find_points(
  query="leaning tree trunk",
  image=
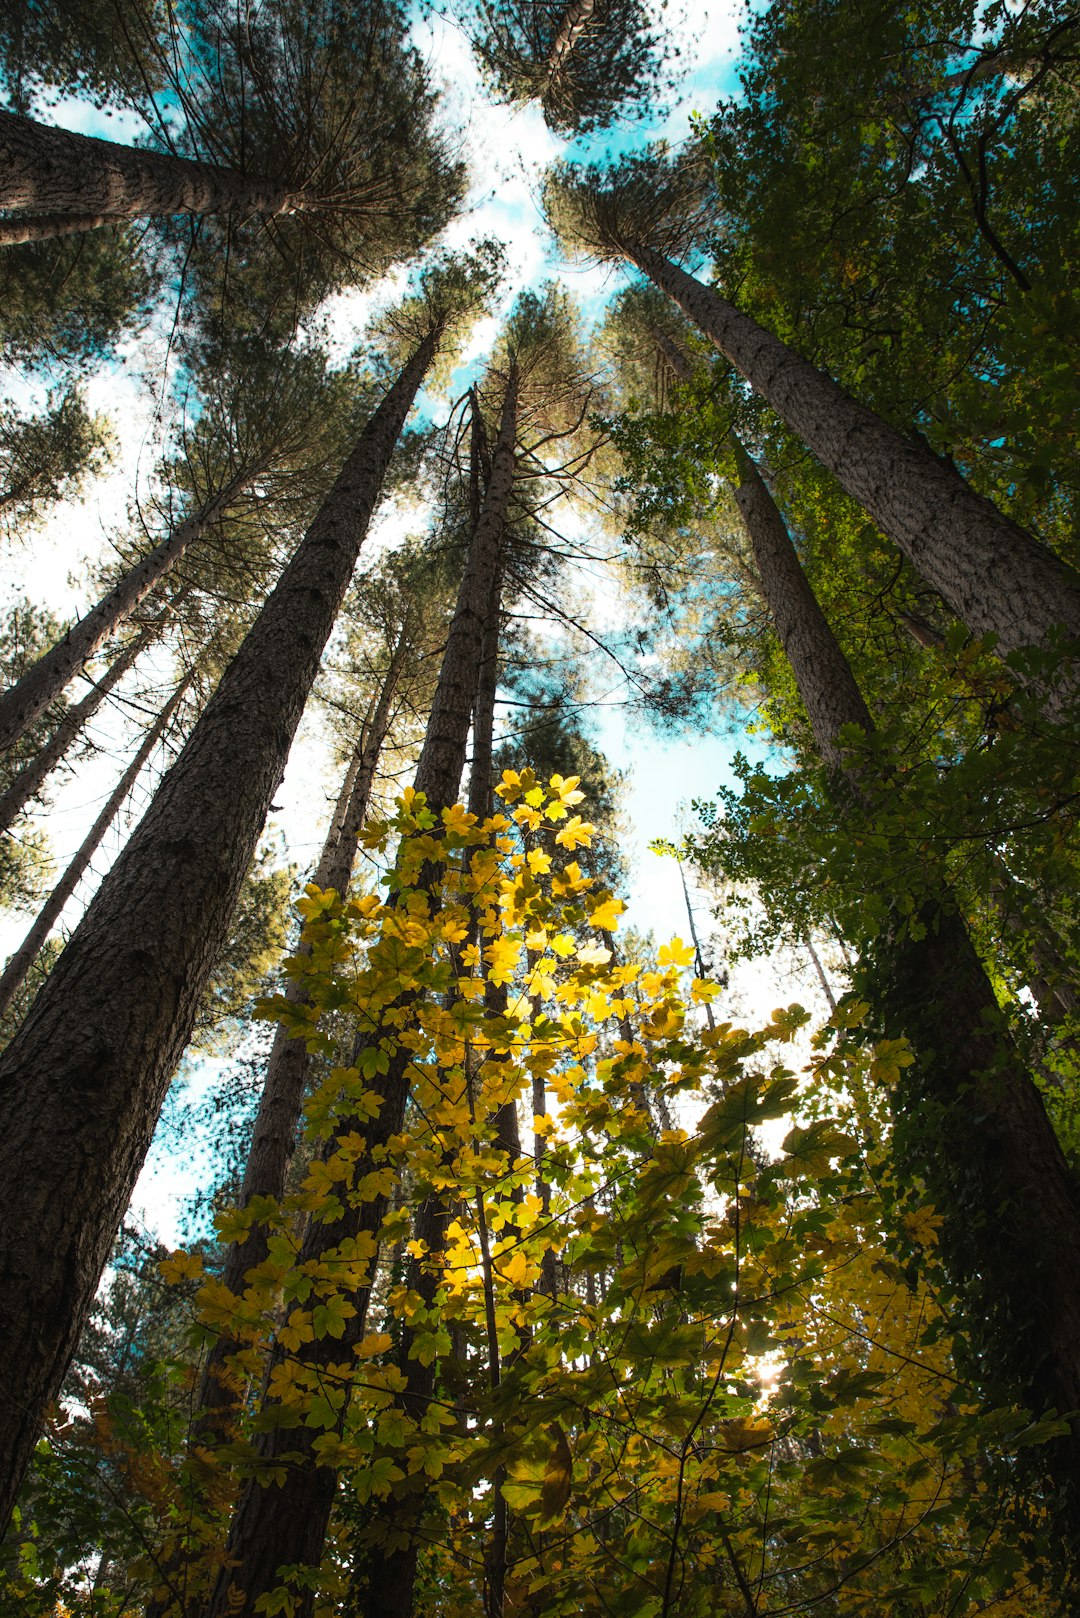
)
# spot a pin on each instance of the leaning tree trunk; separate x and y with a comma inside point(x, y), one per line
point(54, 181)
point(33, 774)
point(288, 1067)
point(15, 973)
point(83, 1081)
point(26, 700)
point(285, 1526)
point(969, 1118)
point(996, 578)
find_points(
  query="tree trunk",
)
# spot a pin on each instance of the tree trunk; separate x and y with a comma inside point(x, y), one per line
point(50, 174)
point(26, 700)
point(288, 1067)
point(391, 1571)
point(572, 24)
point(995, 577)
point(822, 672)
point(14, 974)
point(83, 1081)
point(274, 1527)
point(969, 1118)
point(33, 774)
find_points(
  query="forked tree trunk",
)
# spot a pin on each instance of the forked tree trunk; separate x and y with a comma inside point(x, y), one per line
point(17, 968)
point(995, 577)
point(26, 700)
point(969, 1117)
point(33, 774)
point(83, 1081)
point(288, 1067)
point(275, 1527)
point(53, 181)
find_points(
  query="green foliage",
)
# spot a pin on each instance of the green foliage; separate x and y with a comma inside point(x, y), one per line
point(914, 231)
point(331, 101)
point(70, 300)
point(586, 63)
point(45, 457)
point(99, 50)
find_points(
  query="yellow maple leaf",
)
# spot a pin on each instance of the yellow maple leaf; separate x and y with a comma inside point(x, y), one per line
point(675, 954)
point(575, 833)
point(605, 915)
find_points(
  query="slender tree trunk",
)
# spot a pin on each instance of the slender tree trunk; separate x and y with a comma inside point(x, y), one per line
point(822, 672)
point(391, 1571)
point(50, 174)
point(572, 24)
point(969, 1118)
point(275, 1527)
point(996, 578)
point(83, 1081)
point(288, 1067)
point(33, 775)
point(14, 974)
point(481, 804)
point(26, 700)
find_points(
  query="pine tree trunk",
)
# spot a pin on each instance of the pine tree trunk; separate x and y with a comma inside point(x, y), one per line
point(83, 1081)
point(50, 174)
point(572, 24)
point(288, 1067)
point(391, 1570)
point(822, 672)
point(274, 1527)
point(995, 577)
point(33, 775)
point(14, 974)
point(26, 700)
point(970, 1120)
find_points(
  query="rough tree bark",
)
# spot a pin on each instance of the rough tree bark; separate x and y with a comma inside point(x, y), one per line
point(274, 1527)
point(54, 181)
point(288, 1067)
point(26, 700)
point(572, 24)
point(996, 578)
point(83, 1081)
point(14, 974)
point(972, 1120)
point(392, 1571)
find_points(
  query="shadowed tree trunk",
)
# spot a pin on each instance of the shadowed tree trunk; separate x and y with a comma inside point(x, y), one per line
point(26, 700)
point(391, 1572)
point(969, 1118)
point(83, 1081)
point(275, 1527)
point(288, 1067)
point(14, 974)
point(55, 182)
point(995, 577)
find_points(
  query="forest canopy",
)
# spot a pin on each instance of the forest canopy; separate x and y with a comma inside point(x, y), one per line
point(439, 451)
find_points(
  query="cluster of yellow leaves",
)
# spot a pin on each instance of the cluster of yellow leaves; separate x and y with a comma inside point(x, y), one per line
point(689, 1328)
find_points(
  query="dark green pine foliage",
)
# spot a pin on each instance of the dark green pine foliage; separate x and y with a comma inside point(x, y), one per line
point(587, 62)
point(915, 229)
point(46, 456)
point(67, 302)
